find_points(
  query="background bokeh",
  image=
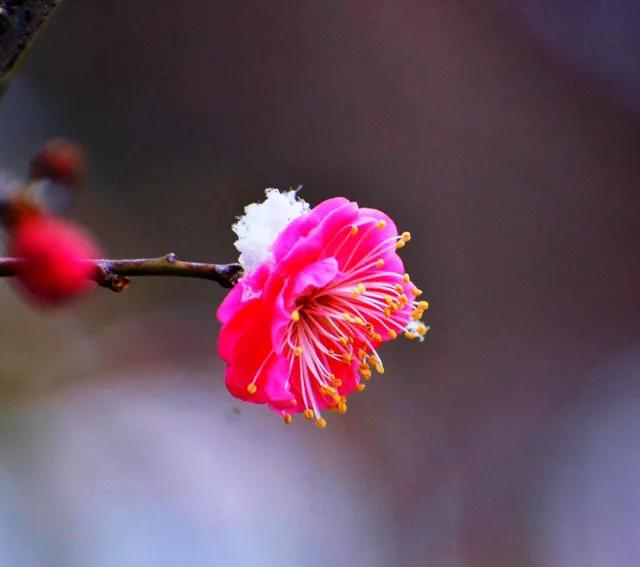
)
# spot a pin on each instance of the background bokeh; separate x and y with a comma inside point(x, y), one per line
point(503, 134)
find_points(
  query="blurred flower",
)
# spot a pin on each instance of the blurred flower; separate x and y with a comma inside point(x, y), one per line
point(322, 290)
point(54, 251)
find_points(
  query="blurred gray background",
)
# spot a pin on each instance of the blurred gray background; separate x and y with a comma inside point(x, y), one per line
point(503, 134)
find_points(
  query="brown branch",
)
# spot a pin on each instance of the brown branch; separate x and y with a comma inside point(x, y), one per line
point(115, 274)
point(20, 22)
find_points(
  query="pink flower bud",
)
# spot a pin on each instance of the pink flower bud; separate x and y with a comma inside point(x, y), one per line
point(55, 252)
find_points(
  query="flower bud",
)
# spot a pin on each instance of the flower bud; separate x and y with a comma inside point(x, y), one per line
point(60, 161)
point(55, 254)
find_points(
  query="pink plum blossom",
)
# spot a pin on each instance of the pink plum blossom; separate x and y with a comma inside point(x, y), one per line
point(322, 290)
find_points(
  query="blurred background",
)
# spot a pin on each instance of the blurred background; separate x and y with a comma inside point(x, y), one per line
point(503, 134)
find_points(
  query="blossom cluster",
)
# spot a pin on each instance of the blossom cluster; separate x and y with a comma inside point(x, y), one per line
point(317, 290)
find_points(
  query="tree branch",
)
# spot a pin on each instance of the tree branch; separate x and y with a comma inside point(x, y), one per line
point(20, 21)
point(114, 274)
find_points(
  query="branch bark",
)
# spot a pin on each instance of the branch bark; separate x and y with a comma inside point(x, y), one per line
point(115, 274)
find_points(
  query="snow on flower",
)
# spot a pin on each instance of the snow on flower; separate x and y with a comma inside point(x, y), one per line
point(322, 290)
point(261, 224)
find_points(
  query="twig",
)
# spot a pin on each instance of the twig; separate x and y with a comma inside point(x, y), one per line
point(114, 274)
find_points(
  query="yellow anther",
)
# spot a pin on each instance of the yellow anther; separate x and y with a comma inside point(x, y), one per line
point(392, 334)
point(361, 387)
point(403, 299)
point(417, 292)
point(381, 224)
point(388, 299)
point(343, 341)
point(400, 244)
point(358, 321)
point(379, 263)
point(387, 312)
point(424, 305)
point(354, 230)
point(399, 288)
point(252, 388)
point(337, 382)
point(366, 374)
point(321, 422)
point(346, 316)
point(295, 316)
point(421, 329)
point(347, 358)
point(308, 413)
point(379, 368)
point(417, 314)
point(364, 366)
point(358, 290)
point(331, 393)
point(406, 236)
point(377, 337)
point(287, 418)
point(342, 407)
point(409, 335)
point(297, 351)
